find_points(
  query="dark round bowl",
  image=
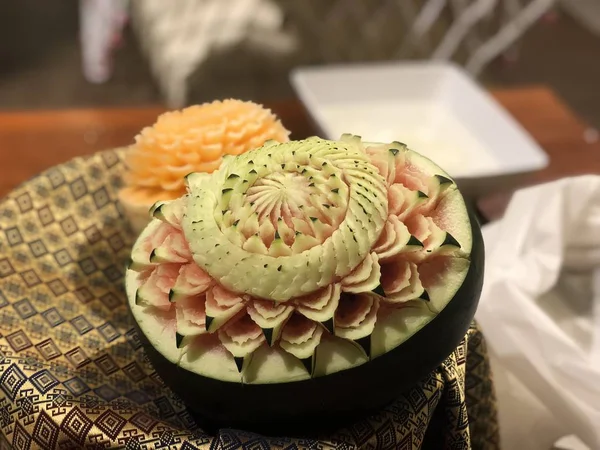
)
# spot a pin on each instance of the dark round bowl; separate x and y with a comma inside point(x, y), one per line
point(305, 408)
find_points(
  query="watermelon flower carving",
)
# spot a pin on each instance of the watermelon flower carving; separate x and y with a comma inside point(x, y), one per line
point(302, 247)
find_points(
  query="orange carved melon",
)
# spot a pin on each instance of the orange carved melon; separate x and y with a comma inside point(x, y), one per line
point(194, 139)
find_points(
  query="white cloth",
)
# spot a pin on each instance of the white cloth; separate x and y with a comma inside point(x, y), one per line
point(540, 313)
point(178, 36)
point(101, 23)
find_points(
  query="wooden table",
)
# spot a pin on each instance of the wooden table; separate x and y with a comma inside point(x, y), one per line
point(35, 140)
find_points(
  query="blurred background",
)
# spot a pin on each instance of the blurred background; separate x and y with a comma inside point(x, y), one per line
point(92, 53)
point(68, 54)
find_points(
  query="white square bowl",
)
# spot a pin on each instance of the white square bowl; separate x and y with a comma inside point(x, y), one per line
point(434, 108)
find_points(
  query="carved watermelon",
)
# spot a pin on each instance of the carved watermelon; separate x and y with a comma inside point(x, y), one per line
point(305, 279)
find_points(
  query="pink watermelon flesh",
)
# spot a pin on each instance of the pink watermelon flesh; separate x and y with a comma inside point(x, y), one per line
point(300, 338)
point(241, 338)
point(424, 243)
point(192, 280)
point(299, 329)
point(190, 313)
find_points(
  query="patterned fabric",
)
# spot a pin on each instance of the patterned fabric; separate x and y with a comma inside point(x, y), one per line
point(73, 373)
point(480, 396)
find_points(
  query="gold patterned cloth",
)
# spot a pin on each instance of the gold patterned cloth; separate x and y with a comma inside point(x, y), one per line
point(73, 373)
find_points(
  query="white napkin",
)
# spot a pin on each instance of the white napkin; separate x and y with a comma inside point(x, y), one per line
point(540, 313)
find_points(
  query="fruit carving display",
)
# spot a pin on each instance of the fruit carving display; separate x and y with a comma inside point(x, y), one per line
point(300, 259)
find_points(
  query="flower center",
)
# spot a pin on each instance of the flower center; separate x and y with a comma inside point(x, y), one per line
point(279, 193)
point(298, 207)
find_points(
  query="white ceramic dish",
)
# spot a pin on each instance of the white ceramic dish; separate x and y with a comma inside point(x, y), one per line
point(435, 108)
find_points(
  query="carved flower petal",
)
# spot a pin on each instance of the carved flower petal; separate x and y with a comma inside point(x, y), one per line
point(409, 175)
point(221, 306)
point(192, 280)
point(159, 234)
point(298, 329)
point(301, 336)
point(156, 233)
point(321, 305)
point(241, 337)
point(191, 315)
point(318, 299)
point(162, 240)
point(143, 276)
point(398, 196)
point(400, 281)
point(192, 309)
point(396, 276)
point(426, 231)
point(382, 158)
point(268, 314)
point(155, 291)
point(178, 243)
point(171, 212)
point(356, 316)
point(394, 240)
point(404, 202)
point(269, 309)
point(438, 188)
point(365, 277)
point(223, 297)
point(174, 249)
point(352, 310)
